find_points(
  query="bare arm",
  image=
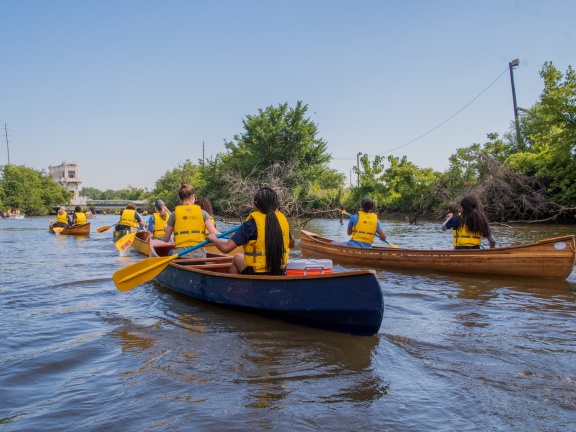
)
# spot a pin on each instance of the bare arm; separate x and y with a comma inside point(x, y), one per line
point(167, 233)
point(492, 241)
point(382, 235)
point(210, 227)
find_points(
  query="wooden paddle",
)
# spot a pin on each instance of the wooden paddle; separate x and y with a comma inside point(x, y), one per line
point(392, 245)
point(129, 277)
point(105, 228)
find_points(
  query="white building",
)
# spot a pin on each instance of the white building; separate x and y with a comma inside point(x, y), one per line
point(66, 175)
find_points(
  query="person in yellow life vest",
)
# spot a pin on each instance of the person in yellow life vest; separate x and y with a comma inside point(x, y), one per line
point(265, 237)
point(78, 218)
point(189, 223)
point(204, 204)
point(469, 226)
point(363, 226)
point(158, 220)
point(62, 219)
point(129, 219)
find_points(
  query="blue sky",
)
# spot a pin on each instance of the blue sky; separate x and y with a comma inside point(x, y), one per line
point(130, 89)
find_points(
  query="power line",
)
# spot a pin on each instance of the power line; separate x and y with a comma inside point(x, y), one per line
point(436, 127)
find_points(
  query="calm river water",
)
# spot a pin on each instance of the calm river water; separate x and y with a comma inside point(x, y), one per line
point(454, 353)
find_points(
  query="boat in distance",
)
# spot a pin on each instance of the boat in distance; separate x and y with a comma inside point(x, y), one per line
point(79, 230)
point(551, 258)
point(347, 302)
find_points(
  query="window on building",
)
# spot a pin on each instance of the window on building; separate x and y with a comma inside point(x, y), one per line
point(71, 174)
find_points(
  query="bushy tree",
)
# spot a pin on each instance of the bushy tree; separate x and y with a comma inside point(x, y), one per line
point(166, 187)
point(33, 192)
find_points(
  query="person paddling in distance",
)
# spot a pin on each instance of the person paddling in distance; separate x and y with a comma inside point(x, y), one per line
point(363, 226)
point(265, 237)
point(204, 204)
point(129, 219)
point(189, 223)
point(470, 225)
point(78, 218)
point(158, 220)
point(62, 219)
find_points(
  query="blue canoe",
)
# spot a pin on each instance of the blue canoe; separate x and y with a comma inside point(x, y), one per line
point(347, 302)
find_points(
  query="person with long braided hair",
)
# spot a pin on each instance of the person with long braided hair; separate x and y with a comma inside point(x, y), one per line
point(265, 237)
point(470, 225)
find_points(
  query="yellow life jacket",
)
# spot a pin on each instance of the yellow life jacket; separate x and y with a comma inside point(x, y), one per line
point(159, 225)
point(80, 218)
point(128, 219)
point(189, 226)
point(62, 218)
point(255, 250)
point(463, 237)
point(366, 227)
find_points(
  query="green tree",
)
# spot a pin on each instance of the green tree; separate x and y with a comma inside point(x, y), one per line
point(278, 135)
point(33, 192)
point(166, 187)
point(549, 131)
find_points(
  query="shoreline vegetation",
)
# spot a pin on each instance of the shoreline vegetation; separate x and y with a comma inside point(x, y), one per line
point(526, 176)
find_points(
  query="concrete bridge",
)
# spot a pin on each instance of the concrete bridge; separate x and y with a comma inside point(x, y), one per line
point(107, 206)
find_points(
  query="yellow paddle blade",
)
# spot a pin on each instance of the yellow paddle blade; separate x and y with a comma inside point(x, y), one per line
point(57, 230)
point(125, 242)
point(392, 245)
point(104, 228)
point(129, 277)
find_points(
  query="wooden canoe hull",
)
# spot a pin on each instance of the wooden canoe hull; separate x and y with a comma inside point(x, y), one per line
point(349, 302)
point(117, 235)
point(142, 244)
point(78, 230)
point(550, 259)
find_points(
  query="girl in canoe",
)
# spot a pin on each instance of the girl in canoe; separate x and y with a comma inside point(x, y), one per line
point(189, 223)
point(470, 225)
point(129, 218)
point(363, 226)
point(265, 237)
point(78, 218)
point(158, 220)
point(62, 219)
point(204, 204)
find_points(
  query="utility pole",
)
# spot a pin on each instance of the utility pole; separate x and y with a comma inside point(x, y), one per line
point(512, 65)
point(358, 167)
point(7, 146)
point(203, 158)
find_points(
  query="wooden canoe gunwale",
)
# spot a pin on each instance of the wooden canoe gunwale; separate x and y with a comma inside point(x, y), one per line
point(83, 229)
point(545, 259)
point(349, 302)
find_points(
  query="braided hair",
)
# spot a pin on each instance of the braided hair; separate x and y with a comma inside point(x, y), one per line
point(473, 216)
point(268, 202)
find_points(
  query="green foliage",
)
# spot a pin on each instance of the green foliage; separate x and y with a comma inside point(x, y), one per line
point(166, 187)
point(371, 182)
point(550, 132)
point(33, 192)
point(277, 135)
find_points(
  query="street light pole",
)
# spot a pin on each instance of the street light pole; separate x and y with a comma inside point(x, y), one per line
point(512, 65)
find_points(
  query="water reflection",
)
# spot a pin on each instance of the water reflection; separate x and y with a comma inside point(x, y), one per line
point(277, 366)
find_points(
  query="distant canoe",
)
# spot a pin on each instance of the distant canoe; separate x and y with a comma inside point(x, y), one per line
point(349, 302)
point(551, 258)
point(117, 235)
point(78, 230)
